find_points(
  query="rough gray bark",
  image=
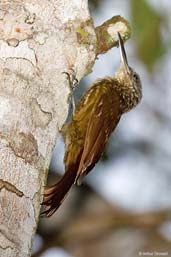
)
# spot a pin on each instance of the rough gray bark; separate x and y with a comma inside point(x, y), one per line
point(39, 39)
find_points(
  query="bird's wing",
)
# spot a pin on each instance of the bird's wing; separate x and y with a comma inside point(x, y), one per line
point(104, 118)
point(74, 132)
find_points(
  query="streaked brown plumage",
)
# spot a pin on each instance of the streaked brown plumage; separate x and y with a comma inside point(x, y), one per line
point(92, 123)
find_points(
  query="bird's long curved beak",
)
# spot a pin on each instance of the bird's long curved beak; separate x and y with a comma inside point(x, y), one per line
point(123, 53)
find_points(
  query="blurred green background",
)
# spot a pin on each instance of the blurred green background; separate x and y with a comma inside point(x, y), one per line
point(124, 207)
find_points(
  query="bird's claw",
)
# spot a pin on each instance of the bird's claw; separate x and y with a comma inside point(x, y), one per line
point(73, 81)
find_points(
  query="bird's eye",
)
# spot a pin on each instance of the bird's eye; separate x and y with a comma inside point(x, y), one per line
point(135, 77)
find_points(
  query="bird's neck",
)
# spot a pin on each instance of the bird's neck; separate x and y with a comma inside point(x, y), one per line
point(129, 94)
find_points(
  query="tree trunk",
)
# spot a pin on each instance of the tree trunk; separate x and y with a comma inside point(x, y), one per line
point(38, 42)
point(39, 39)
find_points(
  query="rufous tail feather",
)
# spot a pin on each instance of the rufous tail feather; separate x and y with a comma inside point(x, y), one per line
point(55, 194)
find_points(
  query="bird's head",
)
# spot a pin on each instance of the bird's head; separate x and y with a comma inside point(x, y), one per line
point(126, 75)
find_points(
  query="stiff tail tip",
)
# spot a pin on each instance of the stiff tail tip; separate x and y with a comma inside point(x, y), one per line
point(50, 203)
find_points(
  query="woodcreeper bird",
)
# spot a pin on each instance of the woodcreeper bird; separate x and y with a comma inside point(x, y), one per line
point(95, 117)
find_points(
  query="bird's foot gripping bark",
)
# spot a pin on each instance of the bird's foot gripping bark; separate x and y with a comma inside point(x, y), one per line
point(72, 82)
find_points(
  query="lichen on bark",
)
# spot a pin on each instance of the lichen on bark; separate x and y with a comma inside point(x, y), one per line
point(107, 33)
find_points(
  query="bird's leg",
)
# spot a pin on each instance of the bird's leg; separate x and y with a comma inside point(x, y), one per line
point(72, 82)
